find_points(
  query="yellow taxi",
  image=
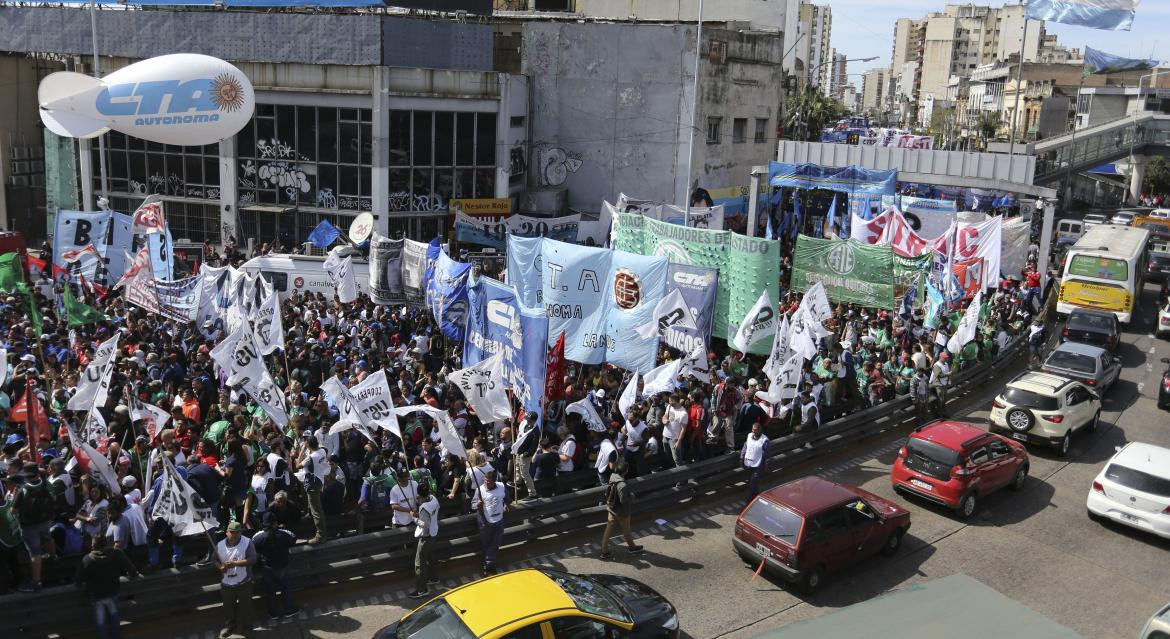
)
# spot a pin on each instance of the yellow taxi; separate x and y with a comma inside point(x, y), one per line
point(538, 603)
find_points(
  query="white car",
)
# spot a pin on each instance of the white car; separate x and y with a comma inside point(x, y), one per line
point(1134, 489)
point(1093, 219)
point(1042, 408)
point(1124, 218)
point(1162, 213)
point(1163, 326)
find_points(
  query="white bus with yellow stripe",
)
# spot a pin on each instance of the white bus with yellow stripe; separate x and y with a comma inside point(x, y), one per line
point(1105, 271)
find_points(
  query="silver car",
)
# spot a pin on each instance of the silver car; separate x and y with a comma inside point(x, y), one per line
point(1090, 365)
point(1124, 218)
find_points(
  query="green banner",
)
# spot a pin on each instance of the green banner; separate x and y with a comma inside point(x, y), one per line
point(747, 265)
point(851, 271)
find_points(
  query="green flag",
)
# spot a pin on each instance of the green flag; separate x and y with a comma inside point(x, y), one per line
point(78, 312)
point(34, 313)
point(11, 271)
point(850, 271)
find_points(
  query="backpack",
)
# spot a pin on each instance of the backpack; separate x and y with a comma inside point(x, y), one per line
point(528, 446)
point(36, 504)
point(613, 495)
point(1039, 337)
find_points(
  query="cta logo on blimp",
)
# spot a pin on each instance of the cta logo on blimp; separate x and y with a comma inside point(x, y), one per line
point(184, 99)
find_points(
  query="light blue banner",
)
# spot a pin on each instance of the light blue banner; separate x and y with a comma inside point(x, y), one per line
point(1113, 15)
point(931, 306)
point(524, 269)
point(633, 290)
point(447, 292)
point(162, 255)
point(497, 322)
point(574, 282)
point(75, 230)
point(121, 240)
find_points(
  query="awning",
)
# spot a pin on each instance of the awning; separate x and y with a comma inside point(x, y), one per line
point(1106, 169)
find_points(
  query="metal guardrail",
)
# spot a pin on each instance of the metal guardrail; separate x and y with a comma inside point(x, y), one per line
point(63, 610)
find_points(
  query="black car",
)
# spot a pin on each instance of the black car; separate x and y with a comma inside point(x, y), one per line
point(1158, 268)
point(1164, 387)
point(1092, 327)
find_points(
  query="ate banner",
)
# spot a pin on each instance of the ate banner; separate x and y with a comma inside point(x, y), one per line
point(386, 285)
point(850, 271)
point(746, 265)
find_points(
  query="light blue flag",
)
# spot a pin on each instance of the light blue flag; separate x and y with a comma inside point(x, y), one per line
point(497, 322)
point(75, 230)
point(447, 292)
point(524, 269)
point(1101, 62)
point(833, 213)
point(1114, 15)
point(574, 285)
point(121, 243)
point(797, 216)
point(162, 256)
point(768, 234)
point(931, 306)
point(635, 287)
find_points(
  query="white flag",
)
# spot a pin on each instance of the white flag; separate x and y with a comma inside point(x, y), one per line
point(3, 366)
point(448, 436)
point(696, 364)
point(141, 262)
point(662, 379)
point(92, 462)
point(817, 302)
point(155, 417)
point(779, 352)
point(758, 324)
point(95, 431)
point(340, 271)
point(374, 402)
point(603, 454)
point(801, 332)
point(588, 413)
point(95, 382)
point(483, 386)
point(180, 506)
point(348, 415)
point(267, 324)
point(240, 358)
point(968, 326)
point(671, 312)
point(629, 395)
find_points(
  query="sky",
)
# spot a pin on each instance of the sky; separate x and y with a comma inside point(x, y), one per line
point(865, 28)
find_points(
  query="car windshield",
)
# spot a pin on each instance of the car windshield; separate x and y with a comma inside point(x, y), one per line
point(774, 519)
point(1138, 480)
point(435, 620)
point(932, 451)
point(1090, 321)
point(589, 596)
point(1072, 361)
point(1028, 399)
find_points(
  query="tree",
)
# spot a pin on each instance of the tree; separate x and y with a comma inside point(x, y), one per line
point(809, 112)
point(988, 125)
point(1157, 176)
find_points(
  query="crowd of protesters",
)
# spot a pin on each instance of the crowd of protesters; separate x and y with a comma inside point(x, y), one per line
point(271, 484)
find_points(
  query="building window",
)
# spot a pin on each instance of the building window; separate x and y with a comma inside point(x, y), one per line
point(761, 130)
point(714, 130)
point(739, 130)
point(439, 155)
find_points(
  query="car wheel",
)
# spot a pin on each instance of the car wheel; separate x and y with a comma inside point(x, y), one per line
point(1093, 423)
point(1021, 478)
point(813, 580)
point(967, 506)
point(1065, 443)
point(893, 542)
point(1019, 420)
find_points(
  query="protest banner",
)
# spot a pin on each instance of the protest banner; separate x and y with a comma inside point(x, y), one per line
point(850, 271)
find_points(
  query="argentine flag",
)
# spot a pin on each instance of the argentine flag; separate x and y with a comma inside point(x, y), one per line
point(1097, 14)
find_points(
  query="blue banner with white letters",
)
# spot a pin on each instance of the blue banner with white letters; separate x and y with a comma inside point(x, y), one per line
point(698, 286)
point(496, 321)
point(636, 285)
point(573, 285)
point(524, 269)
point(447, 295)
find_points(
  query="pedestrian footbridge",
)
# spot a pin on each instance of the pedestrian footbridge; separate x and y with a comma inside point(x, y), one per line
point(1140, 135)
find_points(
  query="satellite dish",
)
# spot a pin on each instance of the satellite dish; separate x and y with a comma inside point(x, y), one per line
point(185, 99)
point(361, 228)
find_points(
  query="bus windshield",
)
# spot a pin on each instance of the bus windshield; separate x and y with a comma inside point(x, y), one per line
point(1099, 267)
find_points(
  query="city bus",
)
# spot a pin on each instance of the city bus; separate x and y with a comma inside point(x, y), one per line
point(1105, 270)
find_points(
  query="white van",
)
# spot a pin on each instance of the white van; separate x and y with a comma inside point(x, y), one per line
point(303, 273)
point(1069, 231)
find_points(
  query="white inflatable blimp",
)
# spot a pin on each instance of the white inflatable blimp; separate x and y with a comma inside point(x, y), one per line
point(184, 98)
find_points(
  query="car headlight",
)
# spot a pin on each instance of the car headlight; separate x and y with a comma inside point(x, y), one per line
point(671, 623)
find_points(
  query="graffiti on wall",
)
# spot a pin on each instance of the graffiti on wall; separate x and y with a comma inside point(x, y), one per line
point(279, 167)
point(556, 164)
point(517, 161)
point(404, 201)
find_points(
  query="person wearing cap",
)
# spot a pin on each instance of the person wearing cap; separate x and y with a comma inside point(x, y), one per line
point(272, 549)
point(234, 557)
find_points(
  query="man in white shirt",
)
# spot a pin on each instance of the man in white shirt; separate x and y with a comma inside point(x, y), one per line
point(567, 450)
point(426, 518)
point(314, 464)
point(754, 456)
point(489, 504)
point(235, 556)
point(525, 447)
point(404, 499)
point(940, 379)
point(634, 433)
point(673, 423)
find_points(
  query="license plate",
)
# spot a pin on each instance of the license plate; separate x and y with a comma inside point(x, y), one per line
point(1020, 436)
point(921, 484)
point(764, 550)
point(1128, 517)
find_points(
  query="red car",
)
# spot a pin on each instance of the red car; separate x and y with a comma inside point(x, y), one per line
point(955, 464)
point(806, 528)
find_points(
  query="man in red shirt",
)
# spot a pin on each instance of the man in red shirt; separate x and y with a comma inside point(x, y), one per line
point(694, 437)
point(1032, 285)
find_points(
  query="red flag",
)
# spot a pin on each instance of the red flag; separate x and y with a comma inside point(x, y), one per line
point(149, 217)
point(36, 266)
point(32, 414)
point(554, 380)
point(58, 271)
point(75, 254)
